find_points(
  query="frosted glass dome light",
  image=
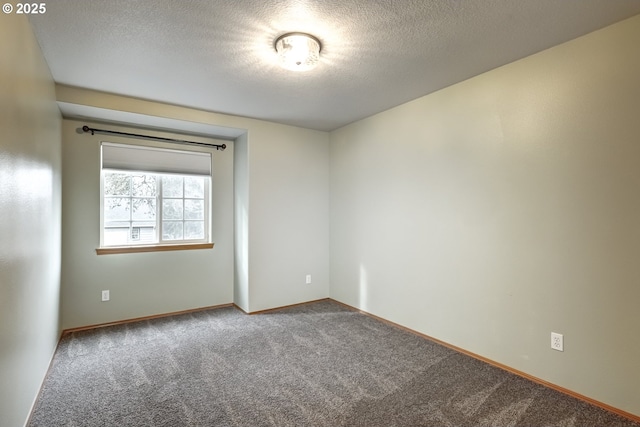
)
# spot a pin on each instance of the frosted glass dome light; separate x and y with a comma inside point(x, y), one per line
point(298, 51)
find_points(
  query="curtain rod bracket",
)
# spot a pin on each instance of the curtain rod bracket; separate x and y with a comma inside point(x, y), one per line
point(219, 147)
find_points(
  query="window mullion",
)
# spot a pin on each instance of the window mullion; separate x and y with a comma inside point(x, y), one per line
point(184, 195)
point(207, 209)
point(159, 209)
point(130, 209)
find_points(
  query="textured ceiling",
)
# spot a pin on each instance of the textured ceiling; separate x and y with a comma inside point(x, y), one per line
point(218, 55)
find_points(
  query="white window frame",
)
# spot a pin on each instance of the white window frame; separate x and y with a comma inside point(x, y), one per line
point(130, 163)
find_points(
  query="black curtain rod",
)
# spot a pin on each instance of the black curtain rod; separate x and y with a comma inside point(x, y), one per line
point(220, 147)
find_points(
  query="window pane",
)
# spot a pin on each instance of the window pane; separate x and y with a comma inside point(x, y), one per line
point(194, 209)
point(194, 230)
point(172, 209)
point(172, 230)
point(144, 185)
point(194, 187)
point(133, 207)
point(144, 209)
point(117, 209)
point(117, 184)
point(135, 233)
point(147, 232)
point(172, 186)
point(116, 236)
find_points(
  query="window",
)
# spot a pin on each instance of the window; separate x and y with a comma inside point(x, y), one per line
point(154, 197)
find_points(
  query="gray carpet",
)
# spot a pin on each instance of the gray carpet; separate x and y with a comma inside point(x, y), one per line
point(319, 364)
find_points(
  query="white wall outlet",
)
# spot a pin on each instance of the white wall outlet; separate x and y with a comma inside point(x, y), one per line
point(308, 279)
point(557, 341)
point(105, 295)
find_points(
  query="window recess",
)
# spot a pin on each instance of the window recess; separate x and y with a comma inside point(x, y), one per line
point(154, 197)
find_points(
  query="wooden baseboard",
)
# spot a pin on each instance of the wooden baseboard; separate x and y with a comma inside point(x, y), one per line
point(239, 308)
point(176, 313)
point(270, 310)
point(509, 369)
point(140, 319)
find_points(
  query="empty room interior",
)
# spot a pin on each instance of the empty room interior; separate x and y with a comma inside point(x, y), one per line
point(466, 170)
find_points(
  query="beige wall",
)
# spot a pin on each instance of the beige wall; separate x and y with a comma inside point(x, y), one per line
point(505, 207)
point(29, 219)
point(241, 226)
point(282, 176)
point(288, 217)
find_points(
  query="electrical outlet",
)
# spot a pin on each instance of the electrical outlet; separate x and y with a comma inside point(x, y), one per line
point(557, 341)
point(105, 295)
point(308, 279)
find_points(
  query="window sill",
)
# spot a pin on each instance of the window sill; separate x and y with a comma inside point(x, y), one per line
point(158, 248)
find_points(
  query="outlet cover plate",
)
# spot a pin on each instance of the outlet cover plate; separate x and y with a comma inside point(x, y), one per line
point(557, 341)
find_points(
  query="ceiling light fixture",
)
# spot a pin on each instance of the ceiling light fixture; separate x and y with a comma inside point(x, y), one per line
point(298, 51)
